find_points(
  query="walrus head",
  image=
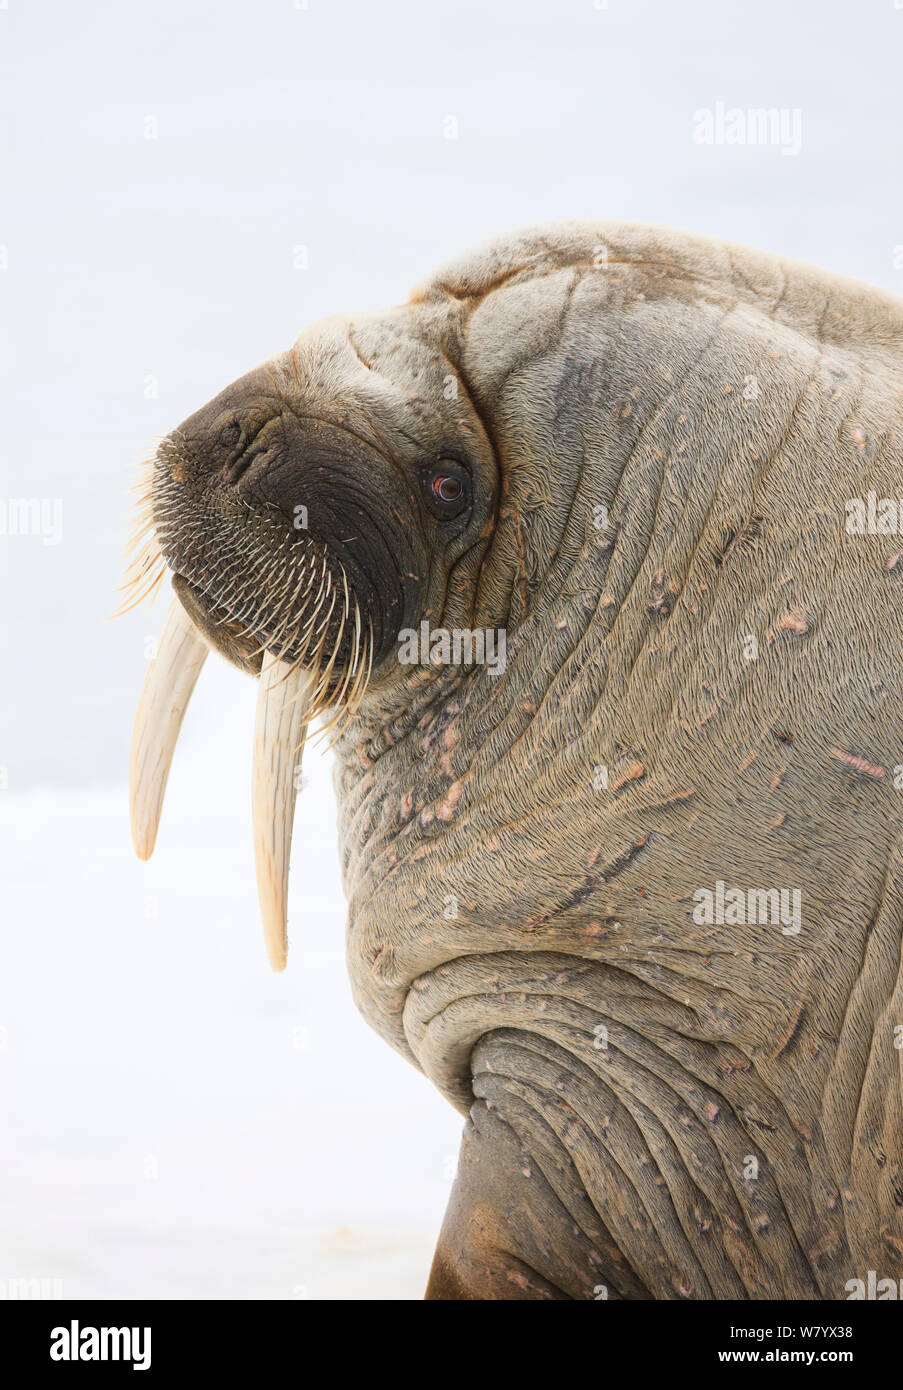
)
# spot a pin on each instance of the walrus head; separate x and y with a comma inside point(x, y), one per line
point(317, 506)
point(338, 495)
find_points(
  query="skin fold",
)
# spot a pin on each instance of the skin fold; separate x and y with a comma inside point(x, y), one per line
point(661, 435)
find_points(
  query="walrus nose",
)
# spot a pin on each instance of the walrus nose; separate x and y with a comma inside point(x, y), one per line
point(223, 438)
point(255, 444)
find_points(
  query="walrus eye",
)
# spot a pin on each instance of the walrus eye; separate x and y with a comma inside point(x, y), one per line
point(447, 488)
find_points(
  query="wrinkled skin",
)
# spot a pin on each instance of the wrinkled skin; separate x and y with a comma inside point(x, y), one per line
point(705, 688)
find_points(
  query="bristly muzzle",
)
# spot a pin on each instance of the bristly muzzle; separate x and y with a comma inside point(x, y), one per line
point(251, 585)
point(278, 605)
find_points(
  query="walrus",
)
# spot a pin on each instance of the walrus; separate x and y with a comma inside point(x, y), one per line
point(632, 896)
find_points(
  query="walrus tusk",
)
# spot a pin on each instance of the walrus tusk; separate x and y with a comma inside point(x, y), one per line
point(164, 699)
point(283, 703)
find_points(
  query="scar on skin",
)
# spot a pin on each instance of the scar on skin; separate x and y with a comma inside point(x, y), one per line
point(828, 1245)
point(858, 764)
point(446, 808)
point(668, 800)
point(792, 1031)
point(795, 622)
point(634, 771)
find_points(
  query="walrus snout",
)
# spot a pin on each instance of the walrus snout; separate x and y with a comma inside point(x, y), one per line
point(281, 524)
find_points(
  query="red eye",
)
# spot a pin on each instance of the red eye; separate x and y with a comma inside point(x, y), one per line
point(447, 488)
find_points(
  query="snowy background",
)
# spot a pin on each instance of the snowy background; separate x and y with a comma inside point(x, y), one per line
point(184, 186)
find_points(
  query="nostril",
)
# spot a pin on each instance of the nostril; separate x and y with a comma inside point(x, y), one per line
point(233, 471)
point(251, 446)
point(230, 434)
point(260, 457)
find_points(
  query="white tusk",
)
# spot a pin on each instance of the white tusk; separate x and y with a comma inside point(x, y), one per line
point(170, 679)
point(283, 703)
